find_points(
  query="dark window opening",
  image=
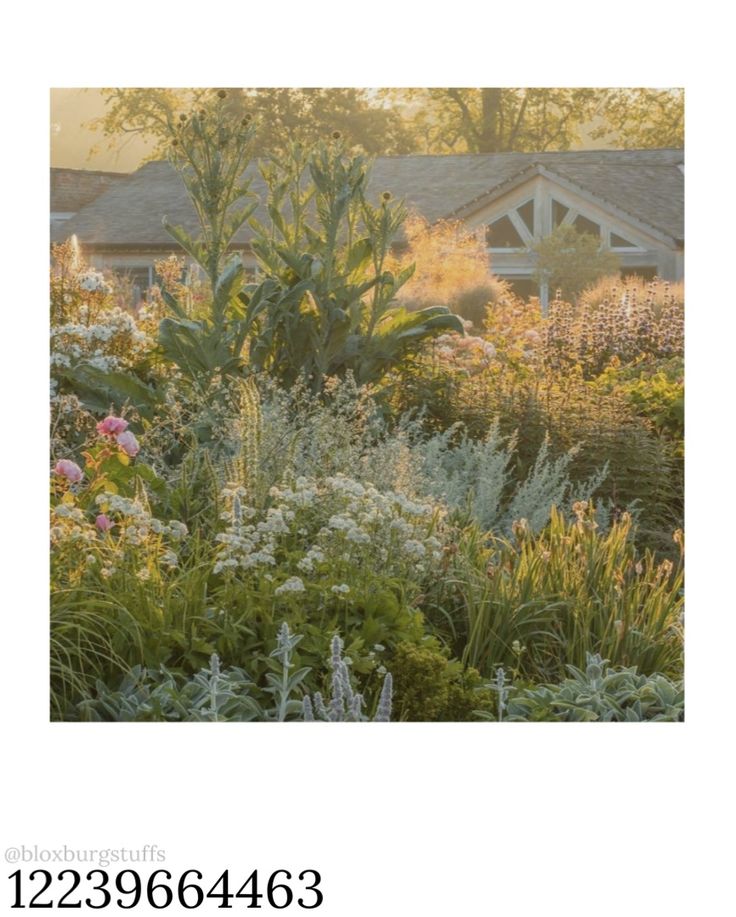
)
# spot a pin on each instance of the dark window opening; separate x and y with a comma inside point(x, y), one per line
point(526, 212)
point(583, 224)
point(503, 234)
point(523, 287)
point(618, 241)
point(559, 212)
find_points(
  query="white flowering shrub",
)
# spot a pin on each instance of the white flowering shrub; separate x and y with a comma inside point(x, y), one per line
point(92, 281)
point(112, 342)
point(329, 530)
point(329, 554)
point(124, 539)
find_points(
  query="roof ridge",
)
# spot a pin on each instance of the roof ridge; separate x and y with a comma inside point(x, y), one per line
point(468, 155)
point(92, 171)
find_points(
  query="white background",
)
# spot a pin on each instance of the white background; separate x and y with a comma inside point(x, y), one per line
point(399, 819)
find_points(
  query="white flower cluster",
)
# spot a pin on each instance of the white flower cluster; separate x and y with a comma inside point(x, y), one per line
point(292, 584)
point(136, 521)
point(112, 342)
point(312, 557)
point(69, 525)
point(334, 521)
point(247, 545)
point(93, 282)
point(132, 527)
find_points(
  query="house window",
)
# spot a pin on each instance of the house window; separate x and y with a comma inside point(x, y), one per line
point(583, 224)
point(502, 234)
point(618, 241)
point(526, 212)
point(523, 287)
point(559, 212)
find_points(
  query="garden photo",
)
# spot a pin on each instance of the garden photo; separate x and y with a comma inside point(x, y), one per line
point(367, 405)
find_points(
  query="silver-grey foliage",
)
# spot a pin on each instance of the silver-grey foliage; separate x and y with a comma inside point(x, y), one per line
point(303, 436)
point(345, 705)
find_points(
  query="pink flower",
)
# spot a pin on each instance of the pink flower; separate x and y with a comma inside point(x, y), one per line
point(128, 443)
point(111, 426)
point(68, 469)
point(103, 522)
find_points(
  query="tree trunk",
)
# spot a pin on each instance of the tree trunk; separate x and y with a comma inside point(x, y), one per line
point(490, 139)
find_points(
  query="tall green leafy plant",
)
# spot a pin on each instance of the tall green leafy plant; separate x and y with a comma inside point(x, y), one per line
point(210, 150)
point(327, 305)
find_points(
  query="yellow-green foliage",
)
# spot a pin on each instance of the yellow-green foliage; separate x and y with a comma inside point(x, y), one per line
point(538, 602)
point(452, 268)
point(569, 260)
point(656, 391)
point(660, 294)
point(430, 686)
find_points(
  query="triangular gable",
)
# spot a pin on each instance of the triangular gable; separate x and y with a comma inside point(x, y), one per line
point(529, 173)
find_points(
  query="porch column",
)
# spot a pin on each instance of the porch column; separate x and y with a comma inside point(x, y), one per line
point(544, 297)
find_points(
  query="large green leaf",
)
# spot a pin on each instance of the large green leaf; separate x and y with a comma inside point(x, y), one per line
point(99, 390)
point(190, 245)
point(228, 284)
point(359, 255)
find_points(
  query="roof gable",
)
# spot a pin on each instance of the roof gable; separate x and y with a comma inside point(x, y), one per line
point(645, 184)
point(650, 195)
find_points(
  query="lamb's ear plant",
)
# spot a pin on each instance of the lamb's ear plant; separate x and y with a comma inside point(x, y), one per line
point(345, 705)
point(598, 693)
point(282, 684)
point(212, 695)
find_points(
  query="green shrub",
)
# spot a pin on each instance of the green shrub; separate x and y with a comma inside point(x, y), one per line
point(570, 260)
point(655, 390)
point(600, 426)
point(428, 686)
point(599, 693)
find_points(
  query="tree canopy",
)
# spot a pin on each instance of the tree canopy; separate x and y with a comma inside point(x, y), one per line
point(280, 115)
point(438, 120)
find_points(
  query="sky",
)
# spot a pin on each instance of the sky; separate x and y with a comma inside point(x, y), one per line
point(73, 144)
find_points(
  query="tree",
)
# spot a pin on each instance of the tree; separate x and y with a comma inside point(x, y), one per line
point(648, 118)
point(498, 120)
point(280, 115)
point(570, 261)
point(439, 120)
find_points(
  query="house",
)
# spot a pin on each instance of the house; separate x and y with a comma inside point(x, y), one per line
point(72, 189)
point(632, 199)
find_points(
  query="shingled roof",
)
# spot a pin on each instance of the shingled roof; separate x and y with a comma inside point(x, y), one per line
point(646, 184)
point(72, 189)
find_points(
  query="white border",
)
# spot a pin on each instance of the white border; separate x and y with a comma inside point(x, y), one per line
point(414, 819)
